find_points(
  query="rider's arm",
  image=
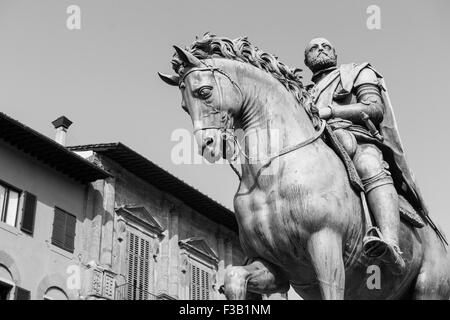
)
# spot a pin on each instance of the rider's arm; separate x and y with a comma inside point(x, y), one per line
point(368, 97)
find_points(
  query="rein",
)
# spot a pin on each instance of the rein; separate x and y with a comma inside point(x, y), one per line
point(302, 144)
point(227, 128)
point(283, 151)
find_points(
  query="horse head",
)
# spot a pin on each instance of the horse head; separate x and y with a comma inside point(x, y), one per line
point(210, 97)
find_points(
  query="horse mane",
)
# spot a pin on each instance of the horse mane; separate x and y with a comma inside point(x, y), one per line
point(240, 49)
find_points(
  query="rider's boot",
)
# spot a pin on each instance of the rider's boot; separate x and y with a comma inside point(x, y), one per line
point(383, 202)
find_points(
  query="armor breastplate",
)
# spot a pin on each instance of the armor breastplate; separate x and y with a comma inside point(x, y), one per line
point(332, 94)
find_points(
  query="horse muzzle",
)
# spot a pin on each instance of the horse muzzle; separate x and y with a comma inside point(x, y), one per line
point(210, 149)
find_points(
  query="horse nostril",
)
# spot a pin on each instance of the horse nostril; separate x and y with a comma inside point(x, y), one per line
point(209, 141)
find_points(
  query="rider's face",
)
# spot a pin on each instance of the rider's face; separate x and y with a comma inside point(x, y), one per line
point(320, 54)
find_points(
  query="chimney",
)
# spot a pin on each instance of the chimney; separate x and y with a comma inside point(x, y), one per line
point(61, 125)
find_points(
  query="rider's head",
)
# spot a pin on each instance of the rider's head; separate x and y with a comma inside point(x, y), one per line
point(320, 54)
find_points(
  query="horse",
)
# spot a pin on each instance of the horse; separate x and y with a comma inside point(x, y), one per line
point(300, 221)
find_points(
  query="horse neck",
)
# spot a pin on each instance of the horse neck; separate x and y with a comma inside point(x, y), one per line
point(270, 113)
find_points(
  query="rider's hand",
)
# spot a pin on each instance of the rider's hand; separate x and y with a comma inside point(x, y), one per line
point(325, 113)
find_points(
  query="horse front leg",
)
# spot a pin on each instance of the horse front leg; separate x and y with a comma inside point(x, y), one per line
point(258, 276)
point(325, 249)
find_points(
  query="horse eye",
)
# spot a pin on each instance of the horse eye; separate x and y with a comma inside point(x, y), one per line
point(204, 92)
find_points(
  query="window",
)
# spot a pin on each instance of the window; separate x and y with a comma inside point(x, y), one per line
point(5, 291)
point(9, 205)
point(199, 263)
point(55, 293)
point(19, 294)
point(6, 283)
point(200, 282)
point(64, 230)
point(138, 268)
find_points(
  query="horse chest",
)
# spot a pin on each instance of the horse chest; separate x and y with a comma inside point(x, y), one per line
point(269, 225)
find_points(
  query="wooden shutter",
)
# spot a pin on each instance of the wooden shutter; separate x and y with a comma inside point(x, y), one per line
point(69, 241)
point(29, 213)
point(200, 283)
point(22, 294)
point(138, 267)
point(59, 228)
point(64, 225)
point(205, 284)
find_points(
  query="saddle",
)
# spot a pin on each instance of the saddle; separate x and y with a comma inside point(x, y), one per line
point(407, 211)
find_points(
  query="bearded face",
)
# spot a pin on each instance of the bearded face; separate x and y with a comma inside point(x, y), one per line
point(319, 55)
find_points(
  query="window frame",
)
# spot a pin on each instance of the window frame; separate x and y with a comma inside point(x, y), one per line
point(4, 206)
point(196, 250)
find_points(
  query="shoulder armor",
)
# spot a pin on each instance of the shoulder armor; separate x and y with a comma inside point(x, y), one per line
point(366, 76)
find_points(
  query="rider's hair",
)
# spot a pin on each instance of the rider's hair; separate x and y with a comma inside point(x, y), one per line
point(240, 49)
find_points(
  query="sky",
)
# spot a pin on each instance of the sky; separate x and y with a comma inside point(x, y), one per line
point(104, 76)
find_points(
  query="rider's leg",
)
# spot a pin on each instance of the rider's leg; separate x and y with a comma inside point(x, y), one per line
point(325, 249)
point(381, 194)
point(259, 277)
point(347, 140)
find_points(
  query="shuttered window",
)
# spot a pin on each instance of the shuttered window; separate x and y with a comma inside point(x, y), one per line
point(138, 267)
point(29, 213)
point(9, 204)
point(64, 230)
point(22, 294)
point(200, 283)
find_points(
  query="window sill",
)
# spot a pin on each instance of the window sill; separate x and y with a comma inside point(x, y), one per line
point(60, 251)
point(9, 228)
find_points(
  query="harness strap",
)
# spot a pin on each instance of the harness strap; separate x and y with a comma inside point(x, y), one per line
point(286, 150)
point(316, 136)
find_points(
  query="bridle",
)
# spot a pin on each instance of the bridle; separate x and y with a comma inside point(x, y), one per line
point(227, 129)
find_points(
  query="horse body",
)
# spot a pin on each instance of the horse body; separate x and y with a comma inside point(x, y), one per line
point(300, 221)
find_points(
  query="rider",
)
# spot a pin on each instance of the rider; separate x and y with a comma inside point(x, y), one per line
point(351, 99)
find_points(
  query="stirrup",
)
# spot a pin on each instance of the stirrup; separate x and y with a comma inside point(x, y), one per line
point(373, 244)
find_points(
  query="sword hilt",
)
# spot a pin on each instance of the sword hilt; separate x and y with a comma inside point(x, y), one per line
point(369, 124)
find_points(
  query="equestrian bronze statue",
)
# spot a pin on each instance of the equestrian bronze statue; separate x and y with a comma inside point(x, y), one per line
point(325, 196)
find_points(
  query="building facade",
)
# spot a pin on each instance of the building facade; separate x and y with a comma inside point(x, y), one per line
point(161, 238)
point(43, 194)
point(103, 222)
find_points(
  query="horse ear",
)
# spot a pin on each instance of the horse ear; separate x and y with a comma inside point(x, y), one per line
point(169, 79)
point(188, 58)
